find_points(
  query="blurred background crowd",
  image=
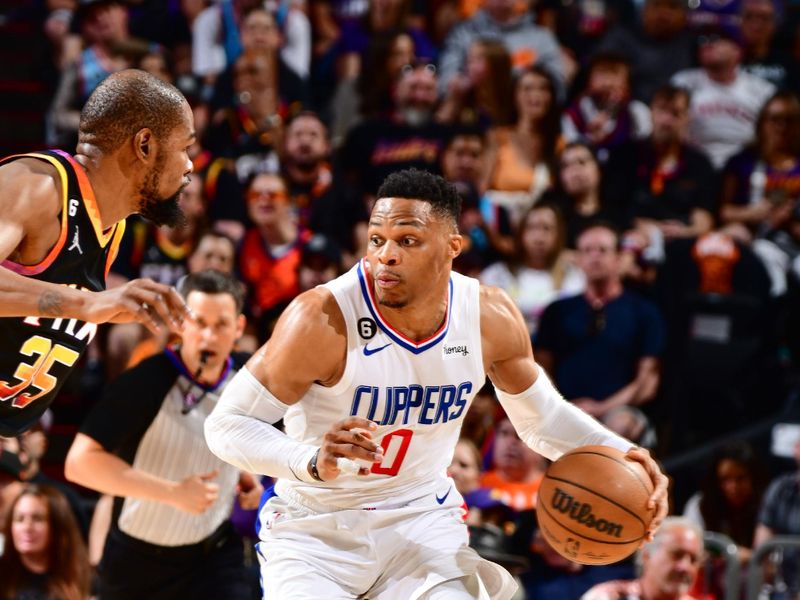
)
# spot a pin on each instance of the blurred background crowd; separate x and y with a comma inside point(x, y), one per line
point(630, 176)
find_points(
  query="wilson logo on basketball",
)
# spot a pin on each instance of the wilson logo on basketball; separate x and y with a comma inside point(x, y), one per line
point(582, 513)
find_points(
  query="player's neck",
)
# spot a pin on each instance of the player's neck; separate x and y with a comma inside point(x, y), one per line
point(110, 186)
point(418, 321)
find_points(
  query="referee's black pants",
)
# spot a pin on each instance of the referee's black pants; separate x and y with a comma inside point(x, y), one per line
point(209, 570)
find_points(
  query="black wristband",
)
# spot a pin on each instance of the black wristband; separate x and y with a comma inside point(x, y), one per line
point(312, 466)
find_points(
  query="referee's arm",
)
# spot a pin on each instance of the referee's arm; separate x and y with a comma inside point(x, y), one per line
point(92, 466)
point(101, 454)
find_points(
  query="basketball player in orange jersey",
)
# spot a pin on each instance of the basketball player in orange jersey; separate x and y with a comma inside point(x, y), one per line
point(372, 374)
point(61, 221)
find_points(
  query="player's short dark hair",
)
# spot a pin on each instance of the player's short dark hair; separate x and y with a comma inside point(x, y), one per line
point(214, 282)
point(422, 185)
point(126, 102)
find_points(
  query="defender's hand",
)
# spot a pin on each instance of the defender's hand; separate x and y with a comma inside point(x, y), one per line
point(152, 304)
point(350, 438)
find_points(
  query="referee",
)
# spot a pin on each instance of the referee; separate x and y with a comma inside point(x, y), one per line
point(170, 536)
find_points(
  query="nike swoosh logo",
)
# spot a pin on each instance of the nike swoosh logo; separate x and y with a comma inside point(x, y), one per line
point(368, 352)
point(443, 498)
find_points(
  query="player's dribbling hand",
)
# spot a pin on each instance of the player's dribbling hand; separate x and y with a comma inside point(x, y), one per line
point(350, 438)
point(152, 304)
point(196, 493)
point(658, 499)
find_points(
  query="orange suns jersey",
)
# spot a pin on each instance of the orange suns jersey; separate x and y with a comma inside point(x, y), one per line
point(38, 353)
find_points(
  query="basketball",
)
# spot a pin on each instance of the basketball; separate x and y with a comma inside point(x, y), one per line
point(592, 505)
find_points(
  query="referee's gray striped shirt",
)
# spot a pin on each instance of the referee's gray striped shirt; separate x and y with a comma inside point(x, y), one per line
point(174, 448)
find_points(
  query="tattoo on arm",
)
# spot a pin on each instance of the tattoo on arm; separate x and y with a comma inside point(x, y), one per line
point(50, 304)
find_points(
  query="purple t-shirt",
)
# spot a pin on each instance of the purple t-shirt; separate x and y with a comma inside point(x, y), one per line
point(754, 178)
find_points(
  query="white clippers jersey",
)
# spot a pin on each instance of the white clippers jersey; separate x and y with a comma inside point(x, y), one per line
point(417, 393)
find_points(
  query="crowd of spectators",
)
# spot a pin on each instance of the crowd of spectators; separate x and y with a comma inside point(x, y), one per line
point(630, 176)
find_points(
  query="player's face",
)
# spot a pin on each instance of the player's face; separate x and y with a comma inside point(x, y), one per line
point(170, 174)
point(410, 252)
point(214, 329)
point(30, 526)
point(674, 563)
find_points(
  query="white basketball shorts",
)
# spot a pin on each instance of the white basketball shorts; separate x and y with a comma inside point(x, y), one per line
point(397, 553)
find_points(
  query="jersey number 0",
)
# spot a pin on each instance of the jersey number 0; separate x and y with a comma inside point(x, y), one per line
point(395, 446)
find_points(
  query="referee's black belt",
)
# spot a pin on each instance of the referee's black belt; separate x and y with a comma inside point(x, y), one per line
point(202, 548)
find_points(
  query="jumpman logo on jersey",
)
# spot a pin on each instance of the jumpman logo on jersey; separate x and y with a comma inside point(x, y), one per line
point(76, 242)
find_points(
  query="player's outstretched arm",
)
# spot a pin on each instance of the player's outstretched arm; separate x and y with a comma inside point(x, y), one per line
point(30, 209)
point(544, 420)
point(308, 346)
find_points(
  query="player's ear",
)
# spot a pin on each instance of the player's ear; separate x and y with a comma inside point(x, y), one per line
point(455, 245)
point(144, 145)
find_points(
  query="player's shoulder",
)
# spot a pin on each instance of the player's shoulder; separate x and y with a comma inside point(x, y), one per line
point(309, 342)
point(500, 316)
point(29, 186)
point(312, 313)
point(493, 298)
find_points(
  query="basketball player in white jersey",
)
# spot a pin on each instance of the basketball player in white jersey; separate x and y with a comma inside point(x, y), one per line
point(372, 375)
